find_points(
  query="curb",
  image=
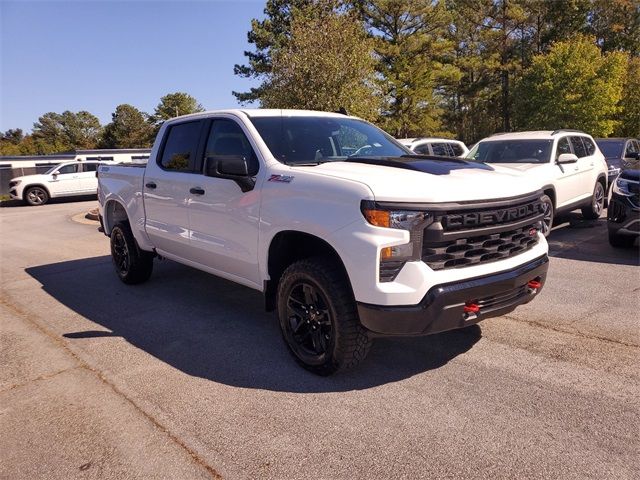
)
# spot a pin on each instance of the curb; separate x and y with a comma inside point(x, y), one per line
point(92, 215)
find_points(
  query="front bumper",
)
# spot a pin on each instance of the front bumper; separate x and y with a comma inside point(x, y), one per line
point(443, 307)
point(623, 215)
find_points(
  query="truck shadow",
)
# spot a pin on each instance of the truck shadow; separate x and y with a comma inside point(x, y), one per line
point(575, 238)
point(214, 329)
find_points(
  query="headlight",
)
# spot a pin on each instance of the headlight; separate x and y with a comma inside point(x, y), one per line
point(411, 220)
point(14, 183)
point(623, 187)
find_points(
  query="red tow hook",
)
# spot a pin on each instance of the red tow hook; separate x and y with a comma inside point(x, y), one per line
point(534, 285)
point(471, 311)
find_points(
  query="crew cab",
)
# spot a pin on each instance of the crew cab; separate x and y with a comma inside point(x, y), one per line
point(64, 180)
point(567, 163)
point(345, 246)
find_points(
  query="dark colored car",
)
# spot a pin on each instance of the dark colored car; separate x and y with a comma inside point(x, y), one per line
point(615, 150)
point(623, 217)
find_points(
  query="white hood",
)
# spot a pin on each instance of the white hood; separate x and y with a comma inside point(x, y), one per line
point(454, 181)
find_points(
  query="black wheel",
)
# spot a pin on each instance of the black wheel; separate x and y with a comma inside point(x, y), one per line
point(132, 264)
point(621, 241)
point(36, 196)
point(318, 317)
point(547, 219)
point(594, 209)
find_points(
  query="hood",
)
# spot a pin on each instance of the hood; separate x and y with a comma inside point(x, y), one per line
point(429, 179)
point(32, 178)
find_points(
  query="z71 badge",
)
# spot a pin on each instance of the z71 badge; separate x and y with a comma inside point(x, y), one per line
point(281, 178)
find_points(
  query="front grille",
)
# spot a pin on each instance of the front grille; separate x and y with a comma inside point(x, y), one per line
point(469, 251)
point(466, 235)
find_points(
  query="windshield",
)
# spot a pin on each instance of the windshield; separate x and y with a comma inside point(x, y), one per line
point(611, 148)
point(512, 151)
point(314, 140)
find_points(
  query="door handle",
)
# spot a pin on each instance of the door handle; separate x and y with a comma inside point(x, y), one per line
point(196, 191)
point(150, 185)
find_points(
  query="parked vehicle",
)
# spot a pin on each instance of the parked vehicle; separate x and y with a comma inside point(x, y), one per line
point(63, 180)
point(567, 163)
point(615, 151)
point(623, 214)
point(344, 247)
point(443, 147)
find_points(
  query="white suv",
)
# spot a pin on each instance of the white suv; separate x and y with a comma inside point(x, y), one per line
point(443, 147)
point(571, 169)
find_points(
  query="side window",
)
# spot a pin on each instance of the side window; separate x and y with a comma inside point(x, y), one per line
point(90, 167)
point(632, 147)
point(457, 149)
point(563, 147)
point(440, 149)
point(589, 146)
point(578, 147)
point(422, 149)
point(68, 169)
point(227, 138)
point(180, 147)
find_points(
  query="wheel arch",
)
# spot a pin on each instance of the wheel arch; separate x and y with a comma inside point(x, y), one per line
point(114, 212)
point(550, 191)
point(287, 247)
point(32, 185)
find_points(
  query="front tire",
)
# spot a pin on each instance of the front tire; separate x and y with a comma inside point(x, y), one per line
point(132, 265)
point(36, 196)
point(548, 214)
point(318, 317)
point(593, 211)
point(621, 241)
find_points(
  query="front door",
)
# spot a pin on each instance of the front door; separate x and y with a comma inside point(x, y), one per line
point(166, 188)
point(223, 218)
point(65, 180)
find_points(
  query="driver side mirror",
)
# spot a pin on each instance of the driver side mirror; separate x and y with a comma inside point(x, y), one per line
point(566, 158)
point(231, 167)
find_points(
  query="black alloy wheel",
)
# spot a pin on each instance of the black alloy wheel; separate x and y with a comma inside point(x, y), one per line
point(120, 253)
point(309, 327)
point(132, 264)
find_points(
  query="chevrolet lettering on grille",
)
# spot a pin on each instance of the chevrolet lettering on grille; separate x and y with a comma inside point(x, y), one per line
point(491, 217)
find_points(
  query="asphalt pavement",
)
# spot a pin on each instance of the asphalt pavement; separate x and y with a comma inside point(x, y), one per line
point(186, 376)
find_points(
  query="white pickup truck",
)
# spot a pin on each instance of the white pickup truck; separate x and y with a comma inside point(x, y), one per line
point(346, 232)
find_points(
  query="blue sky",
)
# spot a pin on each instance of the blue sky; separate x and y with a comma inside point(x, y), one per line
point(95, 55)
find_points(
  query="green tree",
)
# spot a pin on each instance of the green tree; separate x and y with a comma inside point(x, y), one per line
point(56, 132)
point(129, 128)
point(616, 25)
point(175, 104)
point(573, 86)
point(268, 35)
point(629, 120)
point(327, 64)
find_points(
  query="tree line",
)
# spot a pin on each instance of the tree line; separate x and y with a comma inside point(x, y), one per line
point(459, 68)
point(454, 68)
point(67, 131)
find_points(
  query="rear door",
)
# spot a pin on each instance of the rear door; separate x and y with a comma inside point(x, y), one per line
point(568, 175)
point(166, 188)
point(223, 218)
point(584, 148)
point(66, 180)
point(88, 179)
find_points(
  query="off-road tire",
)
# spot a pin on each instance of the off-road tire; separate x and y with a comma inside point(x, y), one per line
point(595, 207)
point(132, 265)
point(36, 196)
point(549, 213)
point(350, 342)
point(621, 241)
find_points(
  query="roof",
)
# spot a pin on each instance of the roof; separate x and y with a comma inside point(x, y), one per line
point(263, 112)
point(531, 135)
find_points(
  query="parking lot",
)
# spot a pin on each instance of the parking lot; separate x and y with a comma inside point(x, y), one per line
point(186, 376)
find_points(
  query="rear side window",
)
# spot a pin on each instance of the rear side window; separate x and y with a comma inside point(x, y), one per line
point(227, 138)
point(422, 149)
point(440, 149)
point(181, 146)
point(90, 167)
point(578, 147)
point(457, 149)
point(632, 147)
point(589, 146)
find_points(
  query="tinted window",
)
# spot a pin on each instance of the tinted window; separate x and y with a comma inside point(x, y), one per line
point(441, 149)
point(422, 150)
point(631, 148)
point(180, 147)
point(458, 151)
point(90, 167)
point(611, 148)
point(68, 169)
point(296, 140)
point(589, 146)
point(227, 138)
point(512, 151)
point(563, 147)
point(578, 147)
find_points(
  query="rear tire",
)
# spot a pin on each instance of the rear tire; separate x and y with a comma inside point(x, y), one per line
point(594, 209)
point(621, 241)
point(132, 265)
point(318, 317)
point(36, 196)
